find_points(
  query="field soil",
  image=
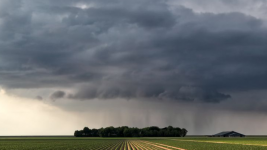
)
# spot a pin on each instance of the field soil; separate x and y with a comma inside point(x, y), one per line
point(187, 143)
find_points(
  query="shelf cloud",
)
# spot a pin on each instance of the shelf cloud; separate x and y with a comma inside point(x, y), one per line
point(130, 49)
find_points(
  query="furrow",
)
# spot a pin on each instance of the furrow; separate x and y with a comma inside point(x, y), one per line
point(164, 145)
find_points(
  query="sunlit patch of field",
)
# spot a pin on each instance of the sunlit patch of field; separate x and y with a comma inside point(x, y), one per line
point(71, 143)
point(216, 143)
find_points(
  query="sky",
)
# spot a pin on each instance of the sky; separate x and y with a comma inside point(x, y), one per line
point(67, 64)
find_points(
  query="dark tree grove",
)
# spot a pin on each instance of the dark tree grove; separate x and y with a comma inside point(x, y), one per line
point(125, 131)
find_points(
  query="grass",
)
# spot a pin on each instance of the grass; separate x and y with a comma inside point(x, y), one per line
point(188, 143)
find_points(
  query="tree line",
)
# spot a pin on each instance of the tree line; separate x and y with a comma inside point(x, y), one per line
point(126, 131)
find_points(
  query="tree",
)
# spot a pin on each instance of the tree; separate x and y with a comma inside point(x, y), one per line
point(135, 132)
point(178, 132)
point(78, 133)
point(154, 128)
point(94, 133)
point(101, 132)
point(183, 132)
point(87, 131)
point(126, 131)
point(170, 128)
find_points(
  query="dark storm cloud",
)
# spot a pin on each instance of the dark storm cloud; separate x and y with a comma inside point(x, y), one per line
point(39, 98)
point(130, 49)
point(57, 95)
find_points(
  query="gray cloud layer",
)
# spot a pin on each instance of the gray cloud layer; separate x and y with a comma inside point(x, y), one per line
point(130, 49)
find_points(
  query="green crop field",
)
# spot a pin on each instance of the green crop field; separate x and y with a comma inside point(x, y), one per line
point(187, 143)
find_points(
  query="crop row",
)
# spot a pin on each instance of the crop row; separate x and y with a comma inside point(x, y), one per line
point(142, 145)
point(121, 144)
point(80, 145)
point(192, 145)
point(58, 144)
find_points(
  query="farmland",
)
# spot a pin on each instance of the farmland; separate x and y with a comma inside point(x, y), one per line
point(188, 143)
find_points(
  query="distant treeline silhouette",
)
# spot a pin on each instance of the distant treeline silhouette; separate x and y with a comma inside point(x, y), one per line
point(125, 131)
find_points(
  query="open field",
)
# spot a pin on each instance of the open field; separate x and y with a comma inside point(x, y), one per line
point(188, 143)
